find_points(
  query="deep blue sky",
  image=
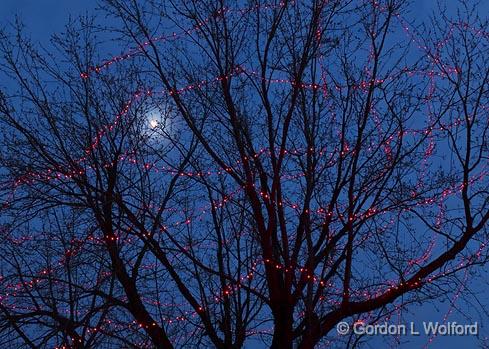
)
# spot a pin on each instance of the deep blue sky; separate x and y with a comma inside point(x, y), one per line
point(45, 17)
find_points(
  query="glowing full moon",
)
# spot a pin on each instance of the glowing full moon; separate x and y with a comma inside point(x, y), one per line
point(158, 122)
point(153, 123)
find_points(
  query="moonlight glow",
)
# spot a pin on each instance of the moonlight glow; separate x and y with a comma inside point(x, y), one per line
point(158, 121)
point(153, 123)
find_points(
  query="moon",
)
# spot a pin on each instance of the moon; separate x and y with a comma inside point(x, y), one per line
point(153, 123)
point(159, 122)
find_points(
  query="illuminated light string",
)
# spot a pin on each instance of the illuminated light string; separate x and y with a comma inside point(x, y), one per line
point(109, 324)
point(136, 96)
point(228, 291)
point(221, 13)
point(312, 278)
point(362, 85)
point(460, 288)
point(424, 257)
point(112, 324)
point(432, 86)
point(51, 174)
point(322, 68)
point(409, 33)
point(366, 293)
point(431, 142)
point(439, 45)
point(371, 211)
point(217, 299)
point(111, 126)
point(394, 285)
point(438, 223)
point(431, 74)
point(72, 252)
point(315, 279)
point(463, 264)
point(108, 128)
point(477, 31)
point(169, 320)
point(427, 257)
point(33, 177)
point(239, 70)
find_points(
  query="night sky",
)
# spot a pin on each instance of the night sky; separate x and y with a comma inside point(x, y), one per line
point(45, 17)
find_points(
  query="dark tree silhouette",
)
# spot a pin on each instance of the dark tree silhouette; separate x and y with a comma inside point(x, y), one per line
point(246, 171)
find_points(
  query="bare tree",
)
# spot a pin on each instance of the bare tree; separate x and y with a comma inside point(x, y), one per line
point(252, 170)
